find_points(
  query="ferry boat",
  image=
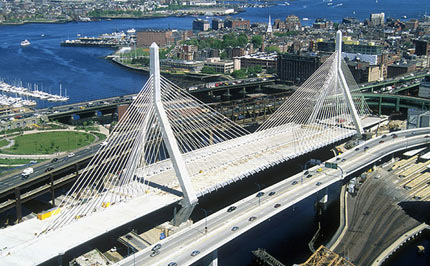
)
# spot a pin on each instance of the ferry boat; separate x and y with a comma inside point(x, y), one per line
point(25, 43)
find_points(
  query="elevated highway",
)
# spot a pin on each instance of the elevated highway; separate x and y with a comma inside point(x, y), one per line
point(221, 225)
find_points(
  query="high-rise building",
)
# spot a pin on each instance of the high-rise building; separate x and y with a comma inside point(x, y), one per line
point(422, 47)
point(377, 19)
point(217, 24)
point(200, 24)
point(297, 68)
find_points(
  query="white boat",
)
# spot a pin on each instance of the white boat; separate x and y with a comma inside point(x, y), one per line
point(287, 3)
point(305, 19)
point(131, 31)
point(25, 43)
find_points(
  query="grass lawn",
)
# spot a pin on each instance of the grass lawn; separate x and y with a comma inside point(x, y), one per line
point(100, 135)
point(3, 142)
point(49, 142)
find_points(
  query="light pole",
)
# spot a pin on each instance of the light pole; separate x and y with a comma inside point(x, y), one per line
point(259, 189)
point(206, 220)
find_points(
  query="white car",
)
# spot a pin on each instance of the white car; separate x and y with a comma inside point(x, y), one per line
point(71, 154)
point(104, 143)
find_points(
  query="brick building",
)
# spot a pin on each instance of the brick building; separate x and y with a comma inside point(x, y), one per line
point(161, 37)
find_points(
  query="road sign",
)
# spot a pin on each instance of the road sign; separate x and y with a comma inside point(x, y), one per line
point(331, 165)
point(162, 235)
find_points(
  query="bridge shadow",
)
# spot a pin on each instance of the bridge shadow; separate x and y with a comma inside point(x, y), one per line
point(164, 188)
point(418, 210)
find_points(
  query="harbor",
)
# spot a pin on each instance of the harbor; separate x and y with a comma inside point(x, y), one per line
point(26, 92)
point(110, 40)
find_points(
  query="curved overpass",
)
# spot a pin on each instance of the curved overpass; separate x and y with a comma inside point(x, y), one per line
point(396, 101)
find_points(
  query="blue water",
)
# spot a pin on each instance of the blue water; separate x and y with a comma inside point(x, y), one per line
point(360, 9)
point(87, 75)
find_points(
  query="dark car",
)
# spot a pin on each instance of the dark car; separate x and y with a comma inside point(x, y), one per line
point(384, 136)
point(394, 136)
point(54, 160)
point(366, 148)
point(427, 136)
point(294, 183)
point(277, 205)
point(259, 194)
point(381, 141)
point(232, 208)
point(309, 176)
point(306, 172)
point(252, 218)
point(318, 183)
point(234, 228)
point(195, 253)
point(357, 149)
point(272, 193)
point(172, 264)
point(154, 253)
point(49, 169)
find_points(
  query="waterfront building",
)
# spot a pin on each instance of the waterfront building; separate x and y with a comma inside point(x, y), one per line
point(217, 24)
point(161, 37)
point(237, 23)
point(297, 68)
point(219, 65)
point(292, 22)
point(200, 24)
point(377, 19)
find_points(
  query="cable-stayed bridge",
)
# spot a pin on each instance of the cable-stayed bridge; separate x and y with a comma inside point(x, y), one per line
point(169, 138)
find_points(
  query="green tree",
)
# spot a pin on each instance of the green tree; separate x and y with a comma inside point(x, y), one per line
point(239, 74)
point(208, 70)
point(223, 55)
point(272, 49)
point(257, 40)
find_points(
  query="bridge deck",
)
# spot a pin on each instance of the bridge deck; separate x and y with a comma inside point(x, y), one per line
point(26, 249)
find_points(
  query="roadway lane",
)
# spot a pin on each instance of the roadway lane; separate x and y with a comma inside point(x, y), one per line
point(11, 181)
point(178, 247)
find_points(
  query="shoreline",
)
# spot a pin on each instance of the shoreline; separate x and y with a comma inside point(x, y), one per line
point(97, 19)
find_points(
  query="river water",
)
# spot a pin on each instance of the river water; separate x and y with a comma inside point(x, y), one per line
point(87, 75)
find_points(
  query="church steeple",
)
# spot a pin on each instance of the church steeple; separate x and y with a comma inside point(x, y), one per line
point(269, 27)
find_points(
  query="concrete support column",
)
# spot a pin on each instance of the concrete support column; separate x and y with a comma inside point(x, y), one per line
point(380, 106)
point(51, 181)
point(18, 204)
point(214, 261)
point(397, 104)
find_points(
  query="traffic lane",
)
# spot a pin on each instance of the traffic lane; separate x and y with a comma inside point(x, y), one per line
point(224, 230)
point(217, 222)
point(17, 179)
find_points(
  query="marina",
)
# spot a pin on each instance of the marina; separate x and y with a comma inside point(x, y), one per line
point(15, 101)
point(36, 93)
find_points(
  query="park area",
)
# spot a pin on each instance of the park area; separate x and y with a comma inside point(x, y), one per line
point(49, 142)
